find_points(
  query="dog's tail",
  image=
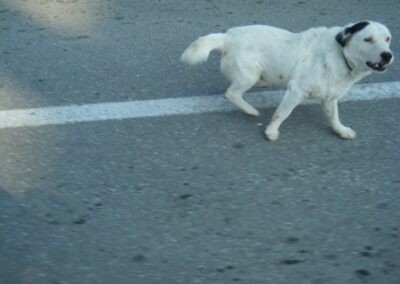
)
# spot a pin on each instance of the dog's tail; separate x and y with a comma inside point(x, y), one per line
point(200, 49)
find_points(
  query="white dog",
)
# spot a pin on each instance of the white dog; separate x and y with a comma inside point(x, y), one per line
point(319, 62)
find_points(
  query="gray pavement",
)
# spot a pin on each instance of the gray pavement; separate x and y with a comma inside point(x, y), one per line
point(185, 199)
point(203, 199)
point(74, 52)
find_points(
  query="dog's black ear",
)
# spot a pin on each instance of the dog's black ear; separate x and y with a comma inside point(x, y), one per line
point(355, 28)
point(344, 36)
point(340, 38)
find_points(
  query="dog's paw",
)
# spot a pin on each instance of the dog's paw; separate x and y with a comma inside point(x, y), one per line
point(253, 112)
point(272, 135)
point(346, 133)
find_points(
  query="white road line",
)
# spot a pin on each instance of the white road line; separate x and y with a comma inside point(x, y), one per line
point(171, 106)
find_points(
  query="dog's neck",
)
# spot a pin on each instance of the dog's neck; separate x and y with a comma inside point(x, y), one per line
point(342, 44)
point(354, 73)
point(347, 62)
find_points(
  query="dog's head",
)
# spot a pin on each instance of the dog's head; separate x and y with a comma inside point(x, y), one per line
point(366, 46)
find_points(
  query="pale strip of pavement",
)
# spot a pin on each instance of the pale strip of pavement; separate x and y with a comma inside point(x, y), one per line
point(171, 106)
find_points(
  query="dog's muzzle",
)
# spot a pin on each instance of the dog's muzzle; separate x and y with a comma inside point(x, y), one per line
point(386, 60)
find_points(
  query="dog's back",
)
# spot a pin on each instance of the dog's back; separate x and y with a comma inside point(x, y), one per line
point(243, 37)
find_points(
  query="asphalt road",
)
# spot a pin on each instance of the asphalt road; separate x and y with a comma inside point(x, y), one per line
point(199, 198)
point(73, 52)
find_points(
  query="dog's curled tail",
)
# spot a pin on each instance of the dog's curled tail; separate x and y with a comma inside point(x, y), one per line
point(200, 49)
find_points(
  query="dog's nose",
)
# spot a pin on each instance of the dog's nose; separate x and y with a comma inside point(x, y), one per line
point(386, 56)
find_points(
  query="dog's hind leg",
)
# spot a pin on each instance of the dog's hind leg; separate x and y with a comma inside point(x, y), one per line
point(235, 95)
point(243, 73)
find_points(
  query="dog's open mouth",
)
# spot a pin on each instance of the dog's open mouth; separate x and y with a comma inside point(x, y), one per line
point(380, 66)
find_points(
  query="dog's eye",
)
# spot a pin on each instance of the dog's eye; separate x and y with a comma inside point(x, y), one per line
point(388, 39)
point(369, 40)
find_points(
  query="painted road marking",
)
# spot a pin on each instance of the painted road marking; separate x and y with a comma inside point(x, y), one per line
point(171, 106)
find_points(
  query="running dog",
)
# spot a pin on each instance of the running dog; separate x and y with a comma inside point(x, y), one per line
point(319, 62)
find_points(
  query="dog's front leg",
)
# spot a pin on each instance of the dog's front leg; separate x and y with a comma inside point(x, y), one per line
point(289, 101)
point(332, 112)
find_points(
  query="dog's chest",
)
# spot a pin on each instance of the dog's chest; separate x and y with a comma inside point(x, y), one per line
point(327, 80)
point(330, 89)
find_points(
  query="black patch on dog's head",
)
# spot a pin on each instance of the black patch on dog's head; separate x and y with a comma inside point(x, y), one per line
point(340, 39)
point(355, 28)
point(344, 37)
